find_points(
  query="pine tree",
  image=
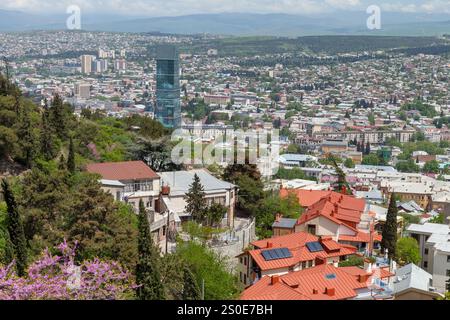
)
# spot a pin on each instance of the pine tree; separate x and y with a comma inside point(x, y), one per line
point(15, 229)
point(71, 158)
point(148, 276)
point(191, 289)
point(389, 240)
point(47, 142)
point(195, 200)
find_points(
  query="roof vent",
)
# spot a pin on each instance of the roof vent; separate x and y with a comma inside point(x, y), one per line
point(330, 291)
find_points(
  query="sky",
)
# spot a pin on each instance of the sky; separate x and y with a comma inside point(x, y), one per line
point(153, 8)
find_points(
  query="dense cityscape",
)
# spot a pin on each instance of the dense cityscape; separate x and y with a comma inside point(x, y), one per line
point(330, 179)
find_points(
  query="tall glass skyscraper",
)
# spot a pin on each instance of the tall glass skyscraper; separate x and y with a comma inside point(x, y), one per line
point(168, 105)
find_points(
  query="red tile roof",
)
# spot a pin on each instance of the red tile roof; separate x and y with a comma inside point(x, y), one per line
point(323, 282)
point(296, 243)
point(360, 237)
point(339, 208)
point(130, 170)
point(265, 290)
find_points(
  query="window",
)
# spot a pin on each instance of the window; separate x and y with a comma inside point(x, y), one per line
point(312, 229)
point(425, 264)
point(303, 265)
point(245, 278)
point(310, 264)
point(426, 251)
point(448, 258)
point(448, 273)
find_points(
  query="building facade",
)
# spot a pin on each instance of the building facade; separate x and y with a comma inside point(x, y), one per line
point(168, 105)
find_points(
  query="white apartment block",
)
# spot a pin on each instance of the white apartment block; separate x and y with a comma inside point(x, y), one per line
point(434, 242)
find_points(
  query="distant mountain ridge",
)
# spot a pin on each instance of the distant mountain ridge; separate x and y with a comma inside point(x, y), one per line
point(240, 24)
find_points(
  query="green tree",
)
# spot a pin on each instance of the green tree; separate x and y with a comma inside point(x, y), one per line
point(371, 160)
point(352, 261)
point(215, 213)
point(431, 167)
point(341, 183)
point(48, 148)
point(407, 166)
point(408, 251)
point(209, 267)
point(60, 117)
point(389, 235)
point(71, 158)
point(196, 201)
point(367, 150)
point(348, 163)
point(191, 289)
point(15, 229)
point(6, 247)
point(148, 276)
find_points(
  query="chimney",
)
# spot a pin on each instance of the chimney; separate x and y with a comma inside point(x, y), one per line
point(275, 280)
point(367, 266)
point(330, 291)
point(315, 291)
point(165, 190)
point(362, 278)
point(269, 244)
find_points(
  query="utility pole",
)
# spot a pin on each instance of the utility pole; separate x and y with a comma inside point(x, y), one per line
point(167, 231)
point(203, 289)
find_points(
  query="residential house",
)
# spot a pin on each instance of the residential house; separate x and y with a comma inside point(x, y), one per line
point(176, 184)
point(434, 243)
point(344, 218)
point(413, 283)
point(323, 282)
point(138, 180)
point(289, 253)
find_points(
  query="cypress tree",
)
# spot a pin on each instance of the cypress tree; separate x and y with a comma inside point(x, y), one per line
point(62, 163)
point(389, 234)
point(148, 276)
point(15, 229)
point(71, 158)
point(368, 148)
point(57, 119)
point(47, 142)
point(191, 289)
point(195, 200)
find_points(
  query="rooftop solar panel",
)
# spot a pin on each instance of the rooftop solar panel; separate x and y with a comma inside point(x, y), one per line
point(314, 246)
point(330, 276)
point(275, 254)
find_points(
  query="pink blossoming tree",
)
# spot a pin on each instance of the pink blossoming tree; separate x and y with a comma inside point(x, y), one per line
point(56, 277)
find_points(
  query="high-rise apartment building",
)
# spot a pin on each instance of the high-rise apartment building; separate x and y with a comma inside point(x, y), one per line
point(86, 64)
point(83, 90)
point(168, 105)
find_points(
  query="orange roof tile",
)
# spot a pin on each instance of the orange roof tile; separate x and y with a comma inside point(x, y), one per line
point(360, 237)
point(296, 243)
point(339, 208)
point(323, 282)
point(265, 290)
